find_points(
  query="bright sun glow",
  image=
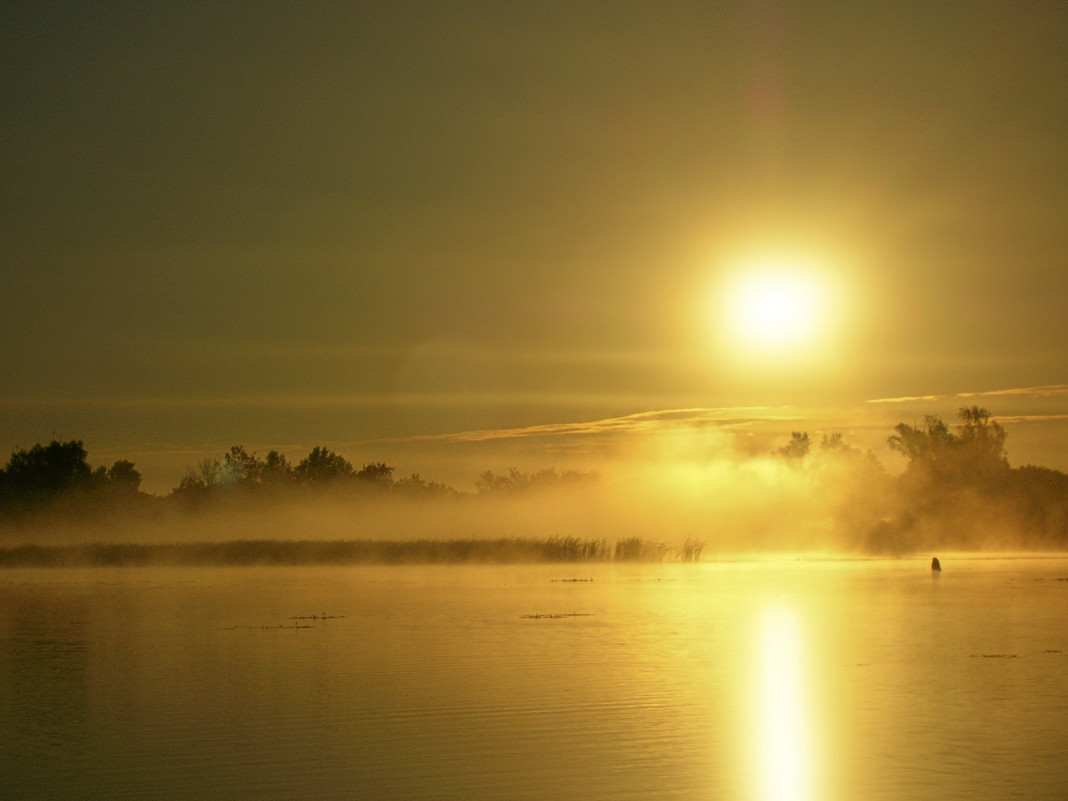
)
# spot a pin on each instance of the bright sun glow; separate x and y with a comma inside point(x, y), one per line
point(774, 306)
point(770, 309)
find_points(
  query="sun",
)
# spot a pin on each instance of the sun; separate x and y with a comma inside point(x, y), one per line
point(773, 309)
point(784, 318)
point(773, 306)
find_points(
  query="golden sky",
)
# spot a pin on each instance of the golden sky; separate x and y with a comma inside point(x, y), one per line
point(387, 227)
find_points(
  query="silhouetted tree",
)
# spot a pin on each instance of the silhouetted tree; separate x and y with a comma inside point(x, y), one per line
point(926, 448)
point(323, 465)
point(377, 474)
point(1040, 496)
point(198, 482)
point(490, 482)
point(57, 477)
point(45, 471)
point(833, 443)
point(276, 469)
point(798, 446)
point(975, 454)
point(124, 477)
point(415, 486)
point(981, 446)
point(958, 487)
point(241, 467)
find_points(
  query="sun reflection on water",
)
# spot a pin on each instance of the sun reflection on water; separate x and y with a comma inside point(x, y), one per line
point(783, 728)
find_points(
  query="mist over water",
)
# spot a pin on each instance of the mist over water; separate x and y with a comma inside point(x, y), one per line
point(682, 494)
point(729, 507)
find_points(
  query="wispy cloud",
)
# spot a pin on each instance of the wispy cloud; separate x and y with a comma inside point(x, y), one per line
point(1031, 418)
point(907, 399)
point(642, 422)
point(1047, 391)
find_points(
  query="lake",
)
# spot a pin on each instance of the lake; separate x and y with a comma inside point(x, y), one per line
point(773, 680)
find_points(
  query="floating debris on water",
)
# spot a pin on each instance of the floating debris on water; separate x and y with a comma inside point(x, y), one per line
point(571, 580)
point(553, 615)
point(298, 623)
point(265, 628)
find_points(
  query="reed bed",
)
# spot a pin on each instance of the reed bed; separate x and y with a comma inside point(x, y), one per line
point(324, 552)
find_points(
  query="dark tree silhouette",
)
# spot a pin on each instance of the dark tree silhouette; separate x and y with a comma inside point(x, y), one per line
point(833, 443)
point(959, 490)
point(124, 477)
point(48, 470)
point(276, 469)
point(377, 474)
point(241, 467)
point(198, 482)
point(798, 446)
point(57, 477)
point(981, 446)
point(516, 481)
point(926, 448)
point(415, 486)
point(323, 465)
point(974, 455)
point(1041, 497)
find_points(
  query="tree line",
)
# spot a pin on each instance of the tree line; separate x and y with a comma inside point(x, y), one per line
point(59, 475)
point(956, 491)
point(57, 478)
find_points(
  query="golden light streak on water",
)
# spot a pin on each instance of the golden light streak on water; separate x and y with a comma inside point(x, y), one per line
point(783, 728)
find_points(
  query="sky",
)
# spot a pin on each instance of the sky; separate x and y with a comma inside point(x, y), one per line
point(460, 236)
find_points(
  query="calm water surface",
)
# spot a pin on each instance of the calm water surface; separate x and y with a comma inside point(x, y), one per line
point(772, 681)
